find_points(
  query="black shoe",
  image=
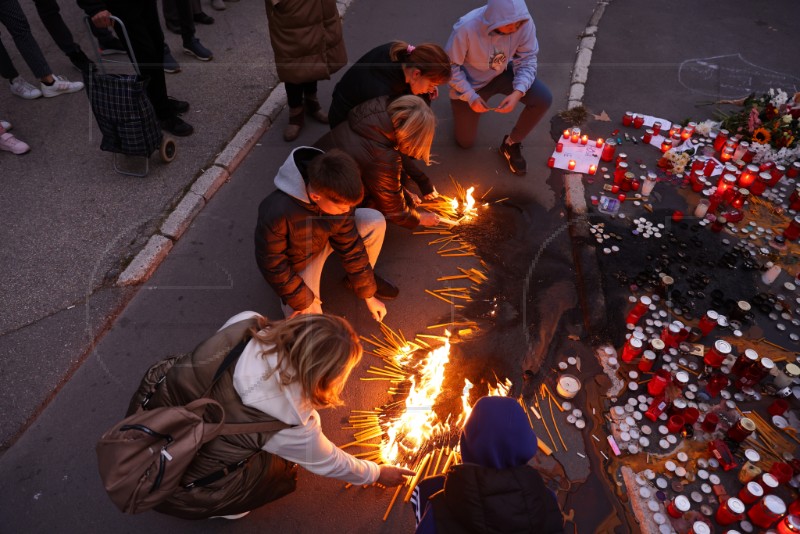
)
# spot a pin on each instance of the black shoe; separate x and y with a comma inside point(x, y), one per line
point(386, 290)
point(202, 18)
point(196, 49)
point(171, 65)
point(513, 155)
point(173, 25)
point(179, 107)
point(177, 126)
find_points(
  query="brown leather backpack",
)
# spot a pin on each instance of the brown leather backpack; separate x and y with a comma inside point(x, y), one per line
point(142, 458)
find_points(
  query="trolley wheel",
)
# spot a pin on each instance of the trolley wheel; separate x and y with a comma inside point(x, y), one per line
point(168, 150)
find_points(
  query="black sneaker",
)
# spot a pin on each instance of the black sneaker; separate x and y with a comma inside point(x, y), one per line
point(178, 107)
point(194, 48)
point(513, 155)
point(203, 18)
point(386, 290)
point(177, 126)
point(171, 65)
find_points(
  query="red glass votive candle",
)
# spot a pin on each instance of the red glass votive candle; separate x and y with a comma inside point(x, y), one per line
point(750, 492)
point(726, 183)
point(709, 167)
point(679, 406)
point(745, 360)
point(571, 164)
point(741, 430)
point(592, 169)
point(627, 118)
point(719, 224)
point(710, 422)
point(656, 127)
point(638, 121)
point(741, 149)
point(767, 511)
point(778, 407)
point(792, 232)
point(608, 150)
point(768, 482)
point(717, 354)
point(727, 154)
point(619, 172)
point(641, 307)
point(781, 471)
point(697, 164)
point(622, 156)
point(794, 199)
point(634, 183)
point(627, 182)
point(678, 506)
point(794, 170)
point(551, 162)
point(647, 361)
point(748, 176)
point(559, 147)
point(659, 382)
point(670, 335)
point(674, 130)
point(584, 139)
point(691, 415)
point(632, 349)
point(566, 134)
point(599, 142)
point(790, 524)
point(615, 189)
point(719, 141)
point(730, 511)
point(666, 144)
point(739, 198)
point(776, 173)
point(621, 197)
point(677, 216)
point(688, 130)
point(656, 407)
point(716, 383)
point(760, 184)
point(675, 424)
point(749, 155)
point(648, 136)
point(708, 322)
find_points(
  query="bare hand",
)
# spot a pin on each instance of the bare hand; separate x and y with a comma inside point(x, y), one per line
point(393, 476)
point(432, 195)
point(377, 308)
point(434, 94)
point(316, 307)
point(415, 200)
point(426, 218)
point(102, 19)
point(509, 103)
point(479, 106)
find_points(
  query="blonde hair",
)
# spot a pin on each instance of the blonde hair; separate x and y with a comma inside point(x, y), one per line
point(414, 126)
point(317, 351)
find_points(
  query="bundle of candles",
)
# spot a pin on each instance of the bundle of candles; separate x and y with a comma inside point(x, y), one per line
point(457, 209)
point(410, 432)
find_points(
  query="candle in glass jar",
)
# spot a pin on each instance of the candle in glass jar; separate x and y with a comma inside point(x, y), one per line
point(649, 184)
point(571, 164)
point(767, 511)
point(638, 121)
point(608, 150)
point(741, 148)
point(750, 492)
point(748, 176)
point(678, 506)
point(725, 182)
point(627, 118)
point(790, 524)
point(719, 141)
point(760, 184)
point(648, 136)
point(727, 154)
point(592, 169)
point(666, 144)
point(741, 430)
point(794, 170)
point(584, 139)
point(688, 130)
point(744, 361)
point(792, 232)
point(674, 130)
point(599, 142)
point(656, 127)
point(794, 199)
point(739, 198)
point(566, 134)
point(551, 162)
point(702, 208)
point(730, 511)
point(575, 135)
point(559, 147)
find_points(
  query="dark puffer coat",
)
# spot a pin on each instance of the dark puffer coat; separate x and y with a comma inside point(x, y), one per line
point(291, 230)
point(368, 135)
point(306, 37)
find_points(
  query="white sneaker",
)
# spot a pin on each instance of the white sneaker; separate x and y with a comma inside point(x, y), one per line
point(23, 89)
point(61, 86)
point(9, 143)
point(6, 125)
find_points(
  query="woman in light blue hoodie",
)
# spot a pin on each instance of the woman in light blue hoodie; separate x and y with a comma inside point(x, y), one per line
point(493, 51)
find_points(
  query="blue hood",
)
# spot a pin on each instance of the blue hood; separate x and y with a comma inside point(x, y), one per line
point(498, 434)
point(501, 12)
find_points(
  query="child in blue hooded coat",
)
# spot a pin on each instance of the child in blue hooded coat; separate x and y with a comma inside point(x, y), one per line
point(493, 50)
point(494, 490)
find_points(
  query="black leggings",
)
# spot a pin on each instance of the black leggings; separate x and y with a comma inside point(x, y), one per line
point(296, 91)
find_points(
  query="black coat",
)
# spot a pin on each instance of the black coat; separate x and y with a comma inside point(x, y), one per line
point(369, 137)
point(483, 500)
point(290, 231)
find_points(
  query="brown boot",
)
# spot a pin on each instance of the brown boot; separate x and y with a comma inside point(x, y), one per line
point(314, 109)
point(296, 122)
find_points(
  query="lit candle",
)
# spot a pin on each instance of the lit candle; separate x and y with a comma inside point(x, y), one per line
point(584, 139)
point(571, 164)
point(674, 130)
point(666, 144)
point(727, 154)
point(575, 137)
point(566, 134)
point(600, 142)
point(688, 130)
point(592, 169)
point(748, 176)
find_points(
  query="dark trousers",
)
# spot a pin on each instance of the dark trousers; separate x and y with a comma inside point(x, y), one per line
point(182, 12)
point(147, 39)
point(50, 15)
point(296, 91)
point(537, 101)
point(13, 18)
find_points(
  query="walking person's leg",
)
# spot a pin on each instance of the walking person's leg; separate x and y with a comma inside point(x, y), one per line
point(191, 44)
point(312, 105)
point(50, 15)
point(294, 96)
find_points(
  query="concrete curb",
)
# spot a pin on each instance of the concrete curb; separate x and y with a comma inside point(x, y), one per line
point(589, 275)
point(145, 261)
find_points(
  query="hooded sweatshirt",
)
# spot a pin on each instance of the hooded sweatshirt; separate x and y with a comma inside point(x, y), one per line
point(479, 53)
point(304, 443)
point(291, 230)
point(494, 490)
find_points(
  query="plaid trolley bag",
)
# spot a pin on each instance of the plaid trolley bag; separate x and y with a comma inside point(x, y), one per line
point(123, 112)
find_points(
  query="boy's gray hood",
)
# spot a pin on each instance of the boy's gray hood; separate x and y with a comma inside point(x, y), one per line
point(501, 12)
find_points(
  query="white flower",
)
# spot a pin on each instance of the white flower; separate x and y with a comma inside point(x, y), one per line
point(705, 127)
point(778, 97)
point(786, 119)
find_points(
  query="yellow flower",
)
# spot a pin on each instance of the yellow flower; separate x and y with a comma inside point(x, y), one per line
point(762, 136)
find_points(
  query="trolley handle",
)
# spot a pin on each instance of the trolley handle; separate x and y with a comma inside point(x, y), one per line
point(88, 21)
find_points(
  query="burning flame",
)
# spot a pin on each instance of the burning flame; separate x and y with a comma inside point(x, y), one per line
point(418, 424)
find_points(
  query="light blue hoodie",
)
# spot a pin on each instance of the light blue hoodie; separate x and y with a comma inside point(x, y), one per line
point(478, 53)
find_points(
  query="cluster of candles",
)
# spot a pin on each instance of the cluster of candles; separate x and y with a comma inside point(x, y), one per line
point(573, 135)
point(680, 415)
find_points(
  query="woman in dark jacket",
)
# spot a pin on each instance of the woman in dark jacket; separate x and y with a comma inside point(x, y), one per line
point(494, 490)
point(377, 134)
point(393, 69)
point(306, 36)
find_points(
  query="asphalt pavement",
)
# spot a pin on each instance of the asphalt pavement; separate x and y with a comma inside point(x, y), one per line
point(71, 225)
